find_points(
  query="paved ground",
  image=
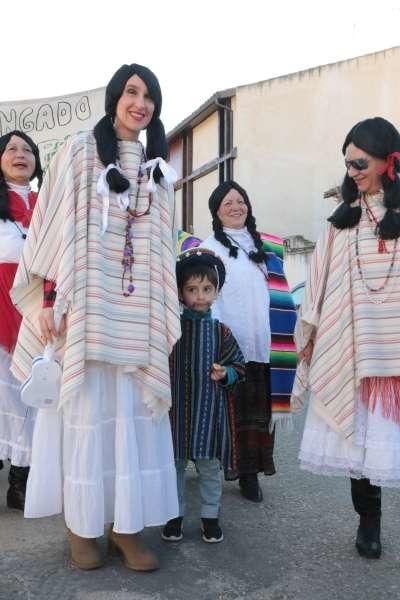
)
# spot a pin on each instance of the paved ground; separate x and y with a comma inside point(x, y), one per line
point(297, 545)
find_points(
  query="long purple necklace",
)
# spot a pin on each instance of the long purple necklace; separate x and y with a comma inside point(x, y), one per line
point(128, 258)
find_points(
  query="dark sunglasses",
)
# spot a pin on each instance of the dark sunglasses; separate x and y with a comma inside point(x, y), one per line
point(359, 164)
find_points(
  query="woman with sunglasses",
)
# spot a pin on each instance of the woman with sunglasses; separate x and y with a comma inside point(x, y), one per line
point(348, 331)
point(101, 251)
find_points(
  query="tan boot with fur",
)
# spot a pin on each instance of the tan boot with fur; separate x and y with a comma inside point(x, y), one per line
point(135, 554)
point(85, 553)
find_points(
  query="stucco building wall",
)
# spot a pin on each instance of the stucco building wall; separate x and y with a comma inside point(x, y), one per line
point(288, 133)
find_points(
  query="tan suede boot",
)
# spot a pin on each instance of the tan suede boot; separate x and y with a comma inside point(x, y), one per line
point(85, 553)
point(135, 554)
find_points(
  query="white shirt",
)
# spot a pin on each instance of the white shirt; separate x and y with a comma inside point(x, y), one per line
point(11, 240)
point(243, 303)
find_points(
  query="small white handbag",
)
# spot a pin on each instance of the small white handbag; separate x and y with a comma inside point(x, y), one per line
point(42, 388)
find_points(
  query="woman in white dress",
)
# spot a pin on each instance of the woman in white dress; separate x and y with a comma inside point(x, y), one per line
point(102, 246)
point(348, 331)
point(19, 164)
point(255, 303)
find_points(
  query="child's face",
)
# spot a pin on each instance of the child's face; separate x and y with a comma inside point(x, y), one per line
point(198, 293)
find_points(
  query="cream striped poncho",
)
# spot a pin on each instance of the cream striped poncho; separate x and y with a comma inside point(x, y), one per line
point(355, 337)
point(65, 245)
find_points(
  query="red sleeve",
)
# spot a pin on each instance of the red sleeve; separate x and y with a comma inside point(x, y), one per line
point(49, 293)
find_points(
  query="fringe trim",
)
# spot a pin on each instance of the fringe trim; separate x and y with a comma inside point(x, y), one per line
point(384, 391)
point(281, 422)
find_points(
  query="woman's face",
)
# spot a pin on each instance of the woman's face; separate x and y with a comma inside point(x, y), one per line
point(232, 211)
point(18, 161)
point(134, 111)
point(368, 179)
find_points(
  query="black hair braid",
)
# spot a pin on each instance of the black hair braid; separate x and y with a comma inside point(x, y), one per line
point(259, 255)
point(346, 216)
point(389, 227)
point(4, 204)
point(156, 144)
point(40, 179)
point(107, 149)
point(221, 236)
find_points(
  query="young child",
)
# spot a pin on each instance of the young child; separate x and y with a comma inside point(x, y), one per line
point(205, 363)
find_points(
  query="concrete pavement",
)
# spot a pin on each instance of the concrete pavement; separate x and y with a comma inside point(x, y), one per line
point(297, 545)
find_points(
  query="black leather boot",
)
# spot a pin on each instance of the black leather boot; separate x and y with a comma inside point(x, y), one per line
point(17, 479)
point(368, 542)
point(250, 488)
point(367, 503)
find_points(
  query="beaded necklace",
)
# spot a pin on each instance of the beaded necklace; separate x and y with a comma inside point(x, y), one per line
point(128, 258)
point(381, 248)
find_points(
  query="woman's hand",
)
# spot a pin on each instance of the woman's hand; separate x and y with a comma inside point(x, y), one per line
point(47, 325)
point(218, 372)
point(307, 352)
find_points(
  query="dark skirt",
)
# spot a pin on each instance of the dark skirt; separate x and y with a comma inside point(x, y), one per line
point(254, 444)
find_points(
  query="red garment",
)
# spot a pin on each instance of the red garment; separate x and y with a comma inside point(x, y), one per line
point(384, 391)
point(394, 156)
point(49, 293)
point(10, 318)
point(18, 208)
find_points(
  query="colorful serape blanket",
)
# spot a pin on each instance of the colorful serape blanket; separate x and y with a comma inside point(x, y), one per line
point(282, 314)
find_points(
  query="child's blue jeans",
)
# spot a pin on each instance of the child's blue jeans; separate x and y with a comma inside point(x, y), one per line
point(210, 486)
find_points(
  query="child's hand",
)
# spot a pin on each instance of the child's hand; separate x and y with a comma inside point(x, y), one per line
point(218, 372)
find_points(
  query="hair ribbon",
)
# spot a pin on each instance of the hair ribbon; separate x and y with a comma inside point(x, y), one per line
point(390, 166)
point(167, 171)
point(103, 190)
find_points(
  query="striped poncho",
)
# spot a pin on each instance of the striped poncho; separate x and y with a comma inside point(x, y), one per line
point(201, 414)
point(356, 333)
point(66, 245)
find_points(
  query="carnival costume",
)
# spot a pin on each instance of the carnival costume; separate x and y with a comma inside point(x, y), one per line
point(351, 306)
point(256, 305)
point(202, 413)
point(16, 420)
point(122, 322)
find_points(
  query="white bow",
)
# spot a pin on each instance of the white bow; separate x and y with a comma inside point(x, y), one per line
point(103, 189)
point(168, 172)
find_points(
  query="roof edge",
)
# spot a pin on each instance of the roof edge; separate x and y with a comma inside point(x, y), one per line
point(202, 112)
point(205, 109)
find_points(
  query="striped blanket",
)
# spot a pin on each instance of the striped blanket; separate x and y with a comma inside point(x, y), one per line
point(282, 314)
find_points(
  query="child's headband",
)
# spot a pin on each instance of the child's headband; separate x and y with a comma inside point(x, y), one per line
point(201, 256)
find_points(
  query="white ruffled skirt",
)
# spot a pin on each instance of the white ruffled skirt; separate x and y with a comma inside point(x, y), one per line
point(373, 451)
point(118, 462)
point(16, 419)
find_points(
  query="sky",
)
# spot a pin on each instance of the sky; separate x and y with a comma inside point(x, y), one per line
point(195, 47)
